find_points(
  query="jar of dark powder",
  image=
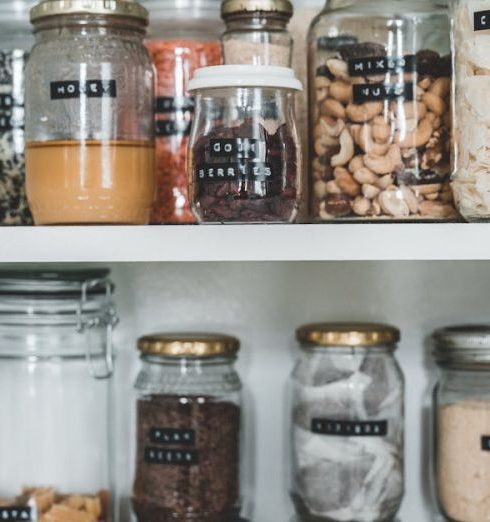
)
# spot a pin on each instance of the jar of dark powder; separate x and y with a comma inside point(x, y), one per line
point(245, 157)
point(188, 429)
point(347, 424)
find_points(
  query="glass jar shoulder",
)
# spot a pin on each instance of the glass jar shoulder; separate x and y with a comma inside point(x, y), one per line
point(455, 386)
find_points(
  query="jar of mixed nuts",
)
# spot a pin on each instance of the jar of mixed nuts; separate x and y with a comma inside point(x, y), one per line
point(89, 114)
point(347, 433)
point(380, 118)
point(256, 32)
point(245, 156)
point(187, 429)
point(461, 421)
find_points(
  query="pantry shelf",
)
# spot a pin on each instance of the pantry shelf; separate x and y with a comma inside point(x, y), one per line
point(246, 243)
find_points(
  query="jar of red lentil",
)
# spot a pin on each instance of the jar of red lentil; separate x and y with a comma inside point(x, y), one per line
point(183, 36)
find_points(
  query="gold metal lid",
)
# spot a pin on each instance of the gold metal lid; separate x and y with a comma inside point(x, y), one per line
point(229, 7)
point(189, 345)
point(348, 334)
point(129, 8)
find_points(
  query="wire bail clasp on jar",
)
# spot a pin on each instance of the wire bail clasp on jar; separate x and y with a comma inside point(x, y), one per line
point(109, 318)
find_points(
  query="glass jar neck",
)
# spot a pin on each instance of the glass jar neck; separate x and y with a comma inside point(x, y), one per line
point(258, 21)
point(88, 25)
point(348, 350)
point(190, 365)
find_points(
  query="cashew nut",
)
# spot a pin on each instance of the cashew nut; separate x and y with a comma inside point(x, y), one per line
point(341, 91)
point(365, 176)
point(332, 187)
point(434, 103)
point(392, 203)
point(428, 189)
point(355, 164)
point(338, 68)
point(441, 87)
point(381, 130)
point(334, 108)
point(384, 182)
point(384, 164)
point(410, 199)
point(436, 209)
point(361, 206)
point(363, 137)
point(332, 127)
point(363, 113)
point(321, 88)
point(320, 189)
point(408, 110)
point(347, 184)
point(370, 191)
point(346, 150)
point(418, 138)
point(324, 143)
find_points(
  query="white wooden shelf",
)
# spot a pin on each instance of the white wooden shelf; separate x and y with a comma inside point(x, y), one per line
point(246, 243)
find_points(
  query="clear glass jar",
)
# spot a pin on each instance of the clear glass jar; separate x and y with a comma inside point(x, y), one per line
point(471, 30)
point(55, 363)
point(461, 423)
point(89, 103)
point(182, 37)
point(347, 400)
point(188, 416)
point(245, 156)
point(380, 118)
point(256, 32)
point(15, 43)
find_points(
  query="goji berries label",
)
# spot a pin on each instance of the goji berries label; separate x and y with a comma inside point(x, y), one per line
point(246, 170)
point(89, 89)
point(172, 436)
point(237, 148)
point(15, 513)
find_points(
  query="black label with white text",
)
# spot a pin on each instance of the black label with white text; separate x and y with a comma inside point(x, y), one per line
point(237, 149)
point(381, 65)
point(350, 428)
point(165, 104)
point(252, 171)
point(184, 457)
point(172, 436)
point(485, 442)
point(89, 89)
point(165, 128)
point(368, 92)
point(481, 20)
point(13, 513)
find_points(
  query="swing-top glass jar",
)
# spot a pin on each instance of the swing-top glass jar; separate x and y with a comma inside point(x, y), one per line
point(188, 429)
point(89, 114)
point(55, 363)
point(380, 118)
point(256, 32)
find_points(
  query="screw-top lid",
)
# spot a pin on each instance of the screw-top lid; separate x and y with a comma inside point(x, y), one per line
point(244, 76)
point(194, 345)
point(347, 334)
point(231, 7)
point(465, 346)
point(128, 8)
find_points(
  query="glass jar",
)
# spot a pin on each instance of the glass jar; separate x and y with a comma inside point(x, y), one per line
point(256, 32)
point(471, 178)
point(188, 429)
point(183, 36)
point(15, 43)
point(55, 363)
point(245, 156)
point(380, 118)
point(89, 103)
point(461, 422)
point(347, 424)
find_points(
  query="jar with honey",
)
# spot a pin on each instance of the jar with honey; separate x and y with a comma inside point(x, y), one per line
point(89, 114)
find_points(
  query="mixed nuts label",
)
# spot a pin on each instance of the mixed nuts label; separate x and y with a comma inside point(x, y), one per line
point(76, 89)
point(369, 92)
point(172, 436)
point(350, 428)
point(481, 20)
point(155, 455)
point(13, 513)
point(381, 65)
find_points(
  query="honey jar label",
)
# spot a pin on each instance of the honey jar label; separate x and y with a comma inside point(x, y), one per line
point(377, 428)
point(485, 442)
point(13, 513)
point(369, 92)
point(172, 436)
point(89, 89)
point(481, 20)
point(381, 65)
point(165, 104)
point(171, 456)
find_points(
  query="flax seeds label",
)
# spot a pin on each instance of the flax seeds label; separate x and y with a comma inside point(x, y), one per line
point(481, 20)
point(485, 442)
point(172, 436)
point(349, 428)
point(15, 513)
point(89, 89)
point(381, 65)
point(369, 92)
point(179, 457)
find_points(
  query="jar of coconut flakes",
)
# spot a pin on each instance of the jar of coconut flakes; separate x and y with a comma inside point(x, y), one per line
point(461, 450)
point(347, 401)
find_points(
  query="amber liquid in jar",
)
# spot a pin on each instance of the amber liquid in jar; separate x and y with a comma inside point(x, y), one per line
point(87, 182)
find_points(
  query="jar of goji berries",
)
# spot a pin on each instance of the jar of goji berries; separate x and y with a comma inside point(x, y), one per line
point(244, 152)
point(183, 36)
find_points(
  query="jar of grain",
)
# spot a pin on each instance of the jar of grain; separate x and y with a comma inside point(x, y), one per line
point(461, 452)
point(347, 423)
point(256, 32)
point(89, 114)
point(380, 117)
point(188, 418)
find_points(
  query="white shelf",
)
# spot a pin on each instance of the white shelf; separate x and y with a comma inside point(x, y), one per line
point(246, 243)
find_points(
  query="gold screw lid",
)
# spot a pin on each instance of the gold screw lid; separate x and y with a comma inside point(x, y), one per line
point(189, 345)
point(348, 334)
point(229, 7)
point(129, 8)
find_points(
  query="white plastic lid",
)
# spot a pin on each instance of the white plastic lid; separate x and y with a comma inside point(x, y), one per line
point(244, 76)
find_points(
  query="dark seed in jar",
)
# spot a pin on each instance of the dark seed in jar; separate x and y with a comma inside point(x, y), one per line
point(361, 50)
